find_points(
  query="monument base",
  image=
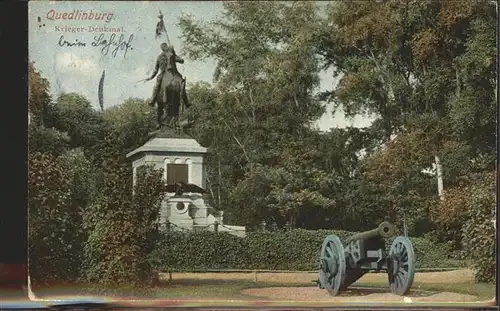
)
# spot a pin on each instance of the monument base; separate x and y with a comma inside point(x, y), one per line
point(168, 132)
point(181, 158)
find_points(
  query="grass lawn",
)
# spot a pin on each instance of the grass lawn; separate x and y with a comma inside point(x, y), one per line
point(178, 289)
point(226, 289)
point(231, 289)
point(218, 289)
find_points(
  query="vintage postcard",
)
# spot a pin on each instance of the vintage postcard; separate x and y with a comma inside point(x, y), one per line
point(263, 153)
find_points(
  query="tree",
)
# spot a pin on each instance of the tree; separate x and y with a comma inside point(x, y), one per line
point(228, 154)
point(46, 140)
point(478, 232)
point(121, 220)
point(414, 68)
point(73, 114)
point(266, 71)
point(55, 212)
point(38, 95)
point(123, 228)
point(86, 222)
point(448, 215)
point(130, 122)
point(60, 184)
point(263, 99)
point(405, 64)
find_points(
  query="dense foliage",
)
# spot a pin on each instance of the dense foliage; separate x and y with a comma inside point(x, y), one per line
point(122, 229)
point(478, 234)
point(425, 72)
point(296, 250)
point(85, 221)
point(54, 234)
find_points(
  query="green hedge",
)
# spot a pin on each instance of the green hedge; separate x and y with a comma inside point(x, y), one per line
point(478, 232)
point(294, 250)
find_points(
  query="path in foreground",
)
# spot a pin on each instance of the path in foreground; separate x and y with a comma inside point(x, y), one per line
point(353, 295)
point(456, 276)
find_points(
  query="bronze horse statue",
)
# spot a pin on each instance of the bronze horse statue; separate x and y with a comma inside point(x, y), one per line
point(170, 88)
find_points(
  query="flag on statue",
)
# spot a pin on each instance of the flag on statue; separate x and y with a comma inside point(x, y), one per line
point(161, 29)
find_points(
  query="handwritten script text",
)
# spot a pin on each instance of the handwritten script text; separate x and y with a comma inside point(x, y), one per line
point(113, 44)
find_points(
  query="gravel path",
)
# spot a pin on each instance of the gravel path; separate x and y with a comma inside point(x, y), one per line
point(352, 295)
point(456, 276)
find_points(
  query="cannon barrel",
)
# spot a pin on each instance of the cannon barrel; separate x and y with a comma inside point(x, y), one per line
point(385, 230)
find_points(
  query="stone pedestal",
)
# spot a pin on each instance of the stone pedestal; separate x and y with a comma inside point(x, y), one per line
point(160, 152)
point(180, 155)
point(180, 213)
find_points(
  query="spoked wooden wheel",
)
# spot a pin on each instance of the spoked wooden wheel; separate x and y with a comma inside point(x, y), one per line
point(401, 265)
point(332, 268)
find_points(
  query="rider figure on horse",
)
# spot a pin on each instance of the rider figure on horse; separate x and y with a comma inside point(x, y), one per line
point(166, 64)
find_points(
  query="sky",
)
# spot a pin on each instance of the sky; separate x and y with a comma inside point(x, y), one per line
point(78, 68)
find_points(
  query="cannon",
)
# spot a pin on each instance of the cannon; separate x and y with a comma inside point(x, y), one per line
point(342, 264)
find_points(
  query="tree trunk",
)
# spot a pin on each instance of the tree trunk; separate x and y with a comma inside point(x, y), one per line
point(439, 174)
point(218, 188)
point(293, 220)
point(210, 188)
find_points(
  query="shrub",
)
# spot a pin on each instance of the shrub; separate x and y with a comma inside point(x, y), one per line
point(448, 214)
point(291, 250)
point(199, 250)
point(53, 234)
point(123, 228)
point(478, 232)
point(46, 140)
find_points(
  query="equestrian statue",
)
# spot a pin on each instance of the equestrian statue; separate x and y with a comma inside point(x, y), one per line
point(170, 88)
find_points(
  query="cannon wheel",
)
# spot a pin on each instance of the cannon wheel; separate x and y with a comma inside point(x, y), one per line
point(332, 265)
point(401, 265)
